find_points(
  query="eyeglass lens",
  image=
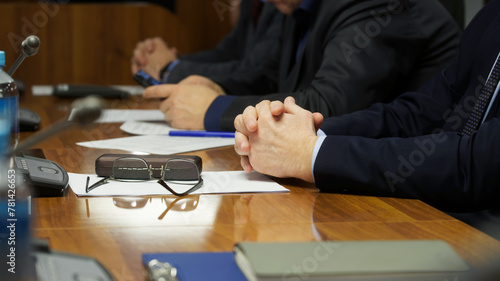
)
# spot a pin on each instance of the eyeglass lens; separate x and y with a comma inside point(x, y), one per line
point(182, 176)
point(180, 170)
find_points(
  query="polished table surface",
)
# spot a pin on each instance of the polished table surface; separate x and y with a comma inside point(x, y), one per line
point(116, 231)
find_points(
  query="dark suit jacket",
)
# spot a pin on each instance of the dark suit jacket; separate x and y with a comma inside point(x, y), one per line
point(246, 46)
point(357, 53)
point(397, 149)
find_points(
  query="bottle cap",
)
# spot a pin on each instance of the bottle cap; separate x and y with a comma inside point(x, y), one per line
point(2, 58)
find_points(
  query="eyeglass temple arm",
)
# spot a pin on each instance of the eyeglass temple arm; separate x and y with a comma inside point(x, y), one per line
point(192, 189)
point(95, 185)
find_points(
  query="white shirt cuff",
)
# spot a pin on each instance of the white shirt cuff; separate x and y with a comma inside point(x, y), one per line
point(317, 146)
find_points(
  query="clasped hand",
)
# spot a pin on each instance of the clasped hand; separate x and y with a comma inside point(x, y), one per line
point(277, 139)
point(152, 55)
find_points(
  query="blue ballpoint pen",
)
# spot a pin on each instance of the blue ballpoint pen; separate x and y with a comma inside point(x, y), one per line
point(201, 134)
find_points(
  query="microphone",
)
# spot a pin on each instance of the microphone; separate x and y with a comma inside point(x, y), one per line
point(29, 47)
point(85, 112)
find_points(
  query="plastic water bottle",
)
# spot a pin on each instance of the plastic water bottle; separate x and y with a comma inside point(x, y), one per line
point(9, 102)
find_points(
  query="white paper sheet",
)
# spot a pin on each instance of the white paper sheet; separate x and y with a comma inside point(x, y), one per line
point(214, 182)
point(123, 115)
point(159, 144)
point(146, 128)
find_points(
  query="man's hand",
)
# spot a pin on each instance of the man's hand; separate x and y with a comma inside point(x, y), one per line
point(276, 144)
point(246, 123)
point(184, 106)
point(203, 81)
point(151, 55)
point(250, 116)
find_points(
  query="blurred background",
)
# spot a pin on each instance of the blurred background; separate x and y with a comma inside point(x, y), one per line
point(91, 42)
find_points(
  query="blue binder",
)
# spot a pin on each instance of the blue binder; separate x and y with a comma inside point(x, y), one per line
point(200, 266)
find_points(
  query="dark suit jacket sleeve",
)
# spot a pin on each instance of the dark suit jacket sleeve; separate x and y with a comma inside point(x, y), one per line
point(244, 48)
point(448, 171)
point(228, 52)
point(187, 68)
point(411, 114)
point(351, 77)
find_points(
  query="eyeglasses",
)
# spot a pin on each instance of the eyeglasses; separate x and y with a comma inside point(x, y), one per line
point(179, 173)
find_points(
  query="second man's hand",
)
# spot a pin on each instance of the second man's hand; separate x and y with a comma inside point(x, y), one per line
point(202, 81)
point(183, 105)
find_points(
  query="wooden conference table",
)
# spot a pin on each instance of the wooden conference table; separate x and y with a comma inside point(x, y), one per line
point(116, 231)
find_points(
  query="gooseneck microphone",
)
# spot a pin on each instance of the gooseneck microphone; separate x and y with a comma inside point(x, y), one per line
point(85, 112)
point(29, 47)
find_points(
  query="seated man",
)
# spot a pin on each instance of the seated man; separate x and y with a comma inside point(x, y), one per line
point(336, 57)
point(438, 144)
point(252, 41)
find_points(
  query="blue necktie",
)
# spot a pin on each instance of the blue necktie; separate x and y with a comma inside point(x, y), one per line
point(483, 101)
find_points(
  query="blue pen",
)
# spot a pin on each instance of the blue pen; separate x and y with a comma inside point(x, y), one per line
point(201, 134)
